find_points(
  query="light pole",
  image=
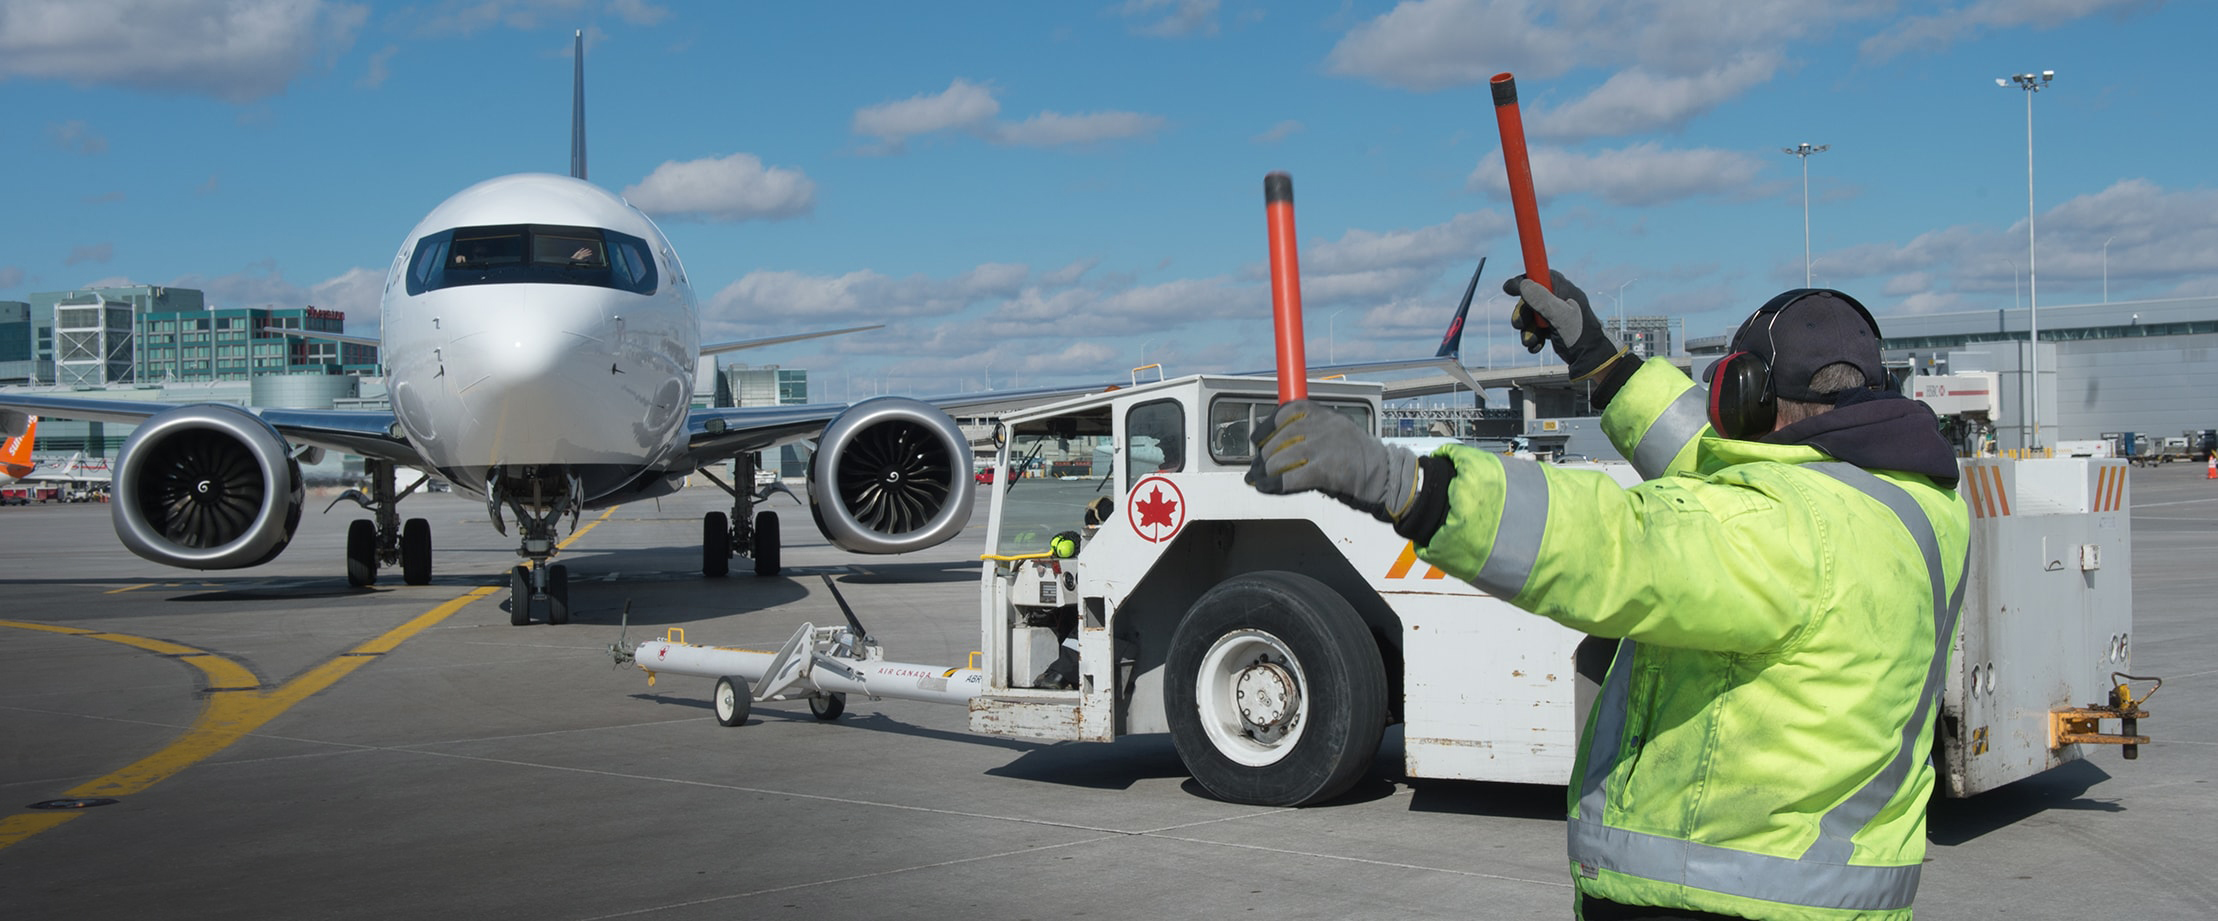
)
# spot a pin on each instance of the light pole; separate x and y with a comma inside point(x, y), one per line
point(1332, 337)
point(2106, 270)
point(1491, 318)
point(1804, 150)
point(1621, 310)
point(2031, 84)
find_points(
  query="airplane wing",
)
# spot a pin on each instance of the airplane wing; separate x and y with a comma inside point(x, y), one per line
point(367, 433)
point(717, 434)
point(65, 475)
point(712, 348)
point(371, 341)
point(714, 435)
point(715, 348)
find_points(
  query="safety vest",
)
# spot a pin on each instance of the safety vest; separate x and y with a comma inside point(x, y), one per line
point(1761, 744)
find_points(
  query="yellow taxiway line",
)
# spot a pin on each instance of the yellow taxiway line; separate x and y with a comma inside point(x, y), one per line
point(240, 707)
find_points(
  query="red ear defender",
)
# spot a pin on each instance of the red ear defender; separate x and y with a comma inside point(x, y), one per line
point(1741, 401)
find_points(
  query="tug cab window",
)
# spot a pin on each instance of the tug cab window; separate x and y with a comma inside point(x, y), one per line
point(1050, 473)
point(1155, 438)
point(544, 254)
point(1234, 420)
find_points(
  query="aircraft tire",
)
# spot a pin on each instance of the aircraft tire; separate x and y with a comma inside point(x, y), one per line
point(415, 552)
point(519, 596)
point(732, 701)
point(828, 706)
point(767, 544)
point(558, 594)
point(1275, 691)
point(716, 545)
point(361, 553)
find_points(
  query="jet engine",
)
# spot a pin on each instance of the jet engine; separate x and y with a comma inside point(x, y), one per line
point(890, 475)
point(207, 486)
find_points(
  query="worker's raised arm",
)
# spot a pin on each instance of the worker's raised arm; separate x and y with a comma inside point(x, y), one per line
point(1681, 562)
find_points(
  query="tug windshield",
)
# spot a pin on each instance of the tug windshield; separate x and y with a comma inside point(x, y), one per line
point(544, 254)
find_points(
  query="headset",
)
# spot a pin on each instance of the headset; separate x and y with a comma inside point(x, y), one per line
point(1744, 401)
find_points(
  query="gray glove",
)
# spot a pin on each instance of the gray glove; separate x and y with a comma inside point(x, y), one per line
point(1307, 446)
point(1571, 326)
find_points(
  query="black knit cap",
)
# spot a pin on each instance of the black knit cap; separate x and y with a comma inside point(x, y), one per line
point(1806, 329)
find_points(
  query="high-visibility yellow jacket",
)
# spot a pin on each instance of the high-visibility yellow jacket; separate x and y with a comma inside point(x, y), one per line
point(1760, 745)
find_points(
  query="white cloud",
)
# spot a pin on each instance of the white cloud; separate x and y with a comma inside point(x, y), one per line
point(1435, 44)
point(774, 299)
point(92, 252)
point(1907, 284)
point(970, 107)
point(1427, 248)
point(462, 18)
point(962, 105)
point(1180, 17)
point(639, 12)
point(1643, 174)
point(1279, 132)
point(354, 292)
point(731, 188)
point(1635, 101)
point(77, 137)
point(1945, 28)
point(1053, 129)
point(236, 50)
point(380, 68)
point(1069, 274)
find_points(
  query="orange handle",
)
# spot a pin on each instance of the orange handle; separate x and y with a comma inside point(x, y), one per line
point(1286, 287)
point(1520, 170)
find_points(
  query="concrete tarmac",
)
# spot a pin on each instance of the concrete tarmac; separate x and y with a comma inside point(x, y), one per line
point(278, 745)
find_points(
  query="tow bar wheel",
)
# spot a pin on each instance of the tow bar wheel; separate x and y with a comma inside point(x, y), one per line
point(732, 701)
point(1277, 693)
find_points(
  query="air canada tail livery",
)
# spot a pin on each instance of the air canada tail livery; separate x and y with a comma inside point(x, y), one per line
point(539, 341)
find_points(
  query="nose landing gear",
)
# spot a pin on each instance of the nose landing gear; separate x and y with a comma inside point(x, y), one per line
point(538, 517)
point(527, 584)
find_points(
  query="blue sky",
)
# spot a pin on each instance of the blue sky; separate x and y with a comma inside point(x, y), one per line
point(1032, 193)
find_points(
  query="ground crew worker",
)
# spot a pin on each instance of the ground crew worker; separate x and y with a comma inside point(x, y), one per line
point(1785, 583)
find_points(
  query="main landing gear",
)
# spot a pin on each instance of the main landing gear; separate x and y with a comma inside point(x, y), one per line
point(384, 540)
point(539, 497)
point(724, 536)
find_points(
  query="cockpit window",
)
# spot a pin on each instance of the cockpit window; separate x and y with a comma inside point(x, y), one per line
point(531, 254)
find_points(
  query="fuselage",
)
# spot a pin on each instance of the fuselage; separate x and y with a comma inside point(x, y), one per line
point(539, 323)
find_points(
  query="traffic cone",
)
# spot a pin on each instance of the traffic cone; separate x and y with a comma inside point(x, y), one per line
point(2211, 472)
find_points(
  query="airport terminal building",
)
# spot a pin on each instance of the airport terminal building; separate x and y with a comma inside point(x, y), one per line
point(2147, 367)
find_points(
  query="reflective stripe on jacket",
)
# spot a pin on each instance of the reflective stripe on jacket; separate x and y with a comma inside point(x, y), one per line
point(1760, 746)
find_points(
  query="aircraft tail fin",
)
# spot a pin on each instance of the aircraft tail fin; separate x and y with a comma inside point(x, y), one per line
point(15, 454)
point(1451, 342)
point(577, 107)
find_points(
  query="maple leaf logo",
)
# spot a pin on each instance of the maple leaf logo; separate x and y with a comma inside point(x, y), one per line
point(1155, 512)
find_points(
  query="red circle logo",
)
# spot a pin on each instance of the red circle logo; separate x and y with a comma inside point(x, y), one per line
point(1155, 509)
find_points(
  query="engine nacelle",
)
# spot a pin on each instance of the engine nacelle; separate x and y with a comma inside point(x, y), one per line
point(207, 486)
point(890, 475)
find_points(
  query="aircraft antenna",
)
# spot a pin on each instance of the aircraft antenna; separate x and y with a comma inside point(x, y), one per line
point(577, 108)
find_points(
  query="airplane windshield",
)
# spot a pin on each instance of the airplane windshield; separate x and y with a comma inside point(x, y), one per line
point(545, 254)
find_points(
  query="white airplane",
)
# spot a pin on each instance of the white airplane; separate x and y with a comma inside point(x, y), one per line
point(539, 342)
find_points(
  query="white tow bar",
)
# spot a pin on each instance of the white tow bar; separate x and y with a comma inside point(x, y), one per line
point(816, 664)
point(817, 660)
